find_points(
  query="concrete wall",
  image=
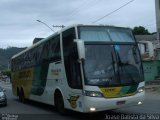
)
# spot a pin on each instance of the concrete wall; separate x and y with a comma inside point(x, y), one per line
point(151, 70)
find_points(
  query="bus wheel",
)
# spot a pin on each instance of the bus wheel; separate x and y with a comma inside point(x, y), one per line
point(21, 96)
point(59, 103)
point(17, 91)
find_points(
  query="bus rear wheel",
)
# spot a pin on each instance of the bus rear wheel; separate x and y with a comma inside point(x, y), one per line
point(59, 103)
point(21, 96)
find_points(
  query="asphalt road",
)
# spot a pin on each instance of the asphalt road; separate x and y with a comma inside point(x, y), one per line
point(37, 111)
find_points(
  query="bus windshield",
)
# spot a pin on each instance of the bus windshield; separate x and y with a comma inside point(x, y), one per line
point(109, 34)
point(109, 65)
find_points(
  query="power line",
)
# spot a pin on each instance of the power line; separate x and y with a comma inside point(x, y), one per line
point(76, 9)
point(84, 4)
point(154, 23)
point(113, 11)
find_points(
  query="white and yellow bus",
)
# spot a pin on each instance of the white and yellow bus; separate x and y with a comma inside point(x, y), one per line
point(85, 68)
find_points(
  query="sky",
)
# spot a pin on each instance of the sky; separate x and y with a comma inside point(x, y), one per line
point(18, 25)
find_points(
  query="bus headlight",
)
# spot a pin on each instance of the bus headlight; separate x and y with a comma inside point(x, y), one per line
point(141, 89)
point(139, 103)
point(92, 109)
point(93, 93)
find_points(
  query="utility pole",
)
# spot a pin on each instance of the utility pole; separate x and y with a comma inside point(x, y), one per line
point(157, 7)
point(45, 25)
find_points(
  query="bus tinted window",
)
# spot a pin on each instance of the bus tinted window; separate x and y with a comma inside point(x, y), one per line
point(94, 34)
point(45, 51)
point(72, 67)
point(27, 59)
point(108, 34)
point(120, 35)
point(54, 52)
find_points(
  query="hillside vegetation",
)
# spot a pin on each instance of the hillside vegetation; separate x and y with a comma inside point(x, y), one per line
point(6, 54)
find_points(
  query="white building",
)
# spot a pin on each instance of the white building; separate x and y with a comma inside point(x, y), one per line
point(157, 2)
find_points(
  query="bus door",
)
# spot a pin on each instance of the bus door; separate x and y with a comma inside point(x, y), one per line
point(73, 86)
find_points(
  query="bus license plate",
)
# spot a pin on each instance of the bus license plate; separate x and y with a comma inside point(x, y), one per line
point(120, 102)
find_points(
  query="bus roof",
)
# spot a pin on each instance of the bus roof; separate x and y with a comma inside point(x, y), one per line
point(58, 32)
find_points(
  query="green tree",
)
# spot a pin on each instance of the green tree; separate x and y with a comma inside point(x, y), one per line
point(140, 30)
point(7, 72)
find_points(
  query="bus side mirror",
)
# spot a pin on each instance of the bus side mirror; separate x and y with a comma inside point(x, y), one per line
point(81, 48)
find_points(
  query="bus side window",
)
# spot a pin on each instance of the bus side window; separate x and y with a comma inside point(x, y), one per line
point(72, 66)
point(54, 51)
point(45, 52)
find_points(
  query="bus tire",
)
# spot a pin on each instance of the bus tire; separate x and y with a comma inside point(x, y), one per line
point(59, 103)
point(17, 91)
point(21, 96)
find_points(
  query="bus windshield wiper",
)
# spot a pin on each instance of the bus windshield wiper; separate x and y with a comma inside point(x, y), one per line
point(122, 68)
point(135, 54)
point(117, 63)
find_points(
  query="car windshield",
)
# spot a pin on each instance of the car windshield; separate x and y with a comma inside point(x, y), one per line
point(109, 65)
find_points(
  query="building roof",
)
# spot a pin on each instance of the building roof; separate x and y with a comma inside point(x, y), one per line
point(36, 40)
point(146, 37)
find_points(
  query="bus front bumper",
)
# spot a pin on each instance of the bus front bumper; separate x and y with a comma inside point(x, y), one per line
point(96, 104)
